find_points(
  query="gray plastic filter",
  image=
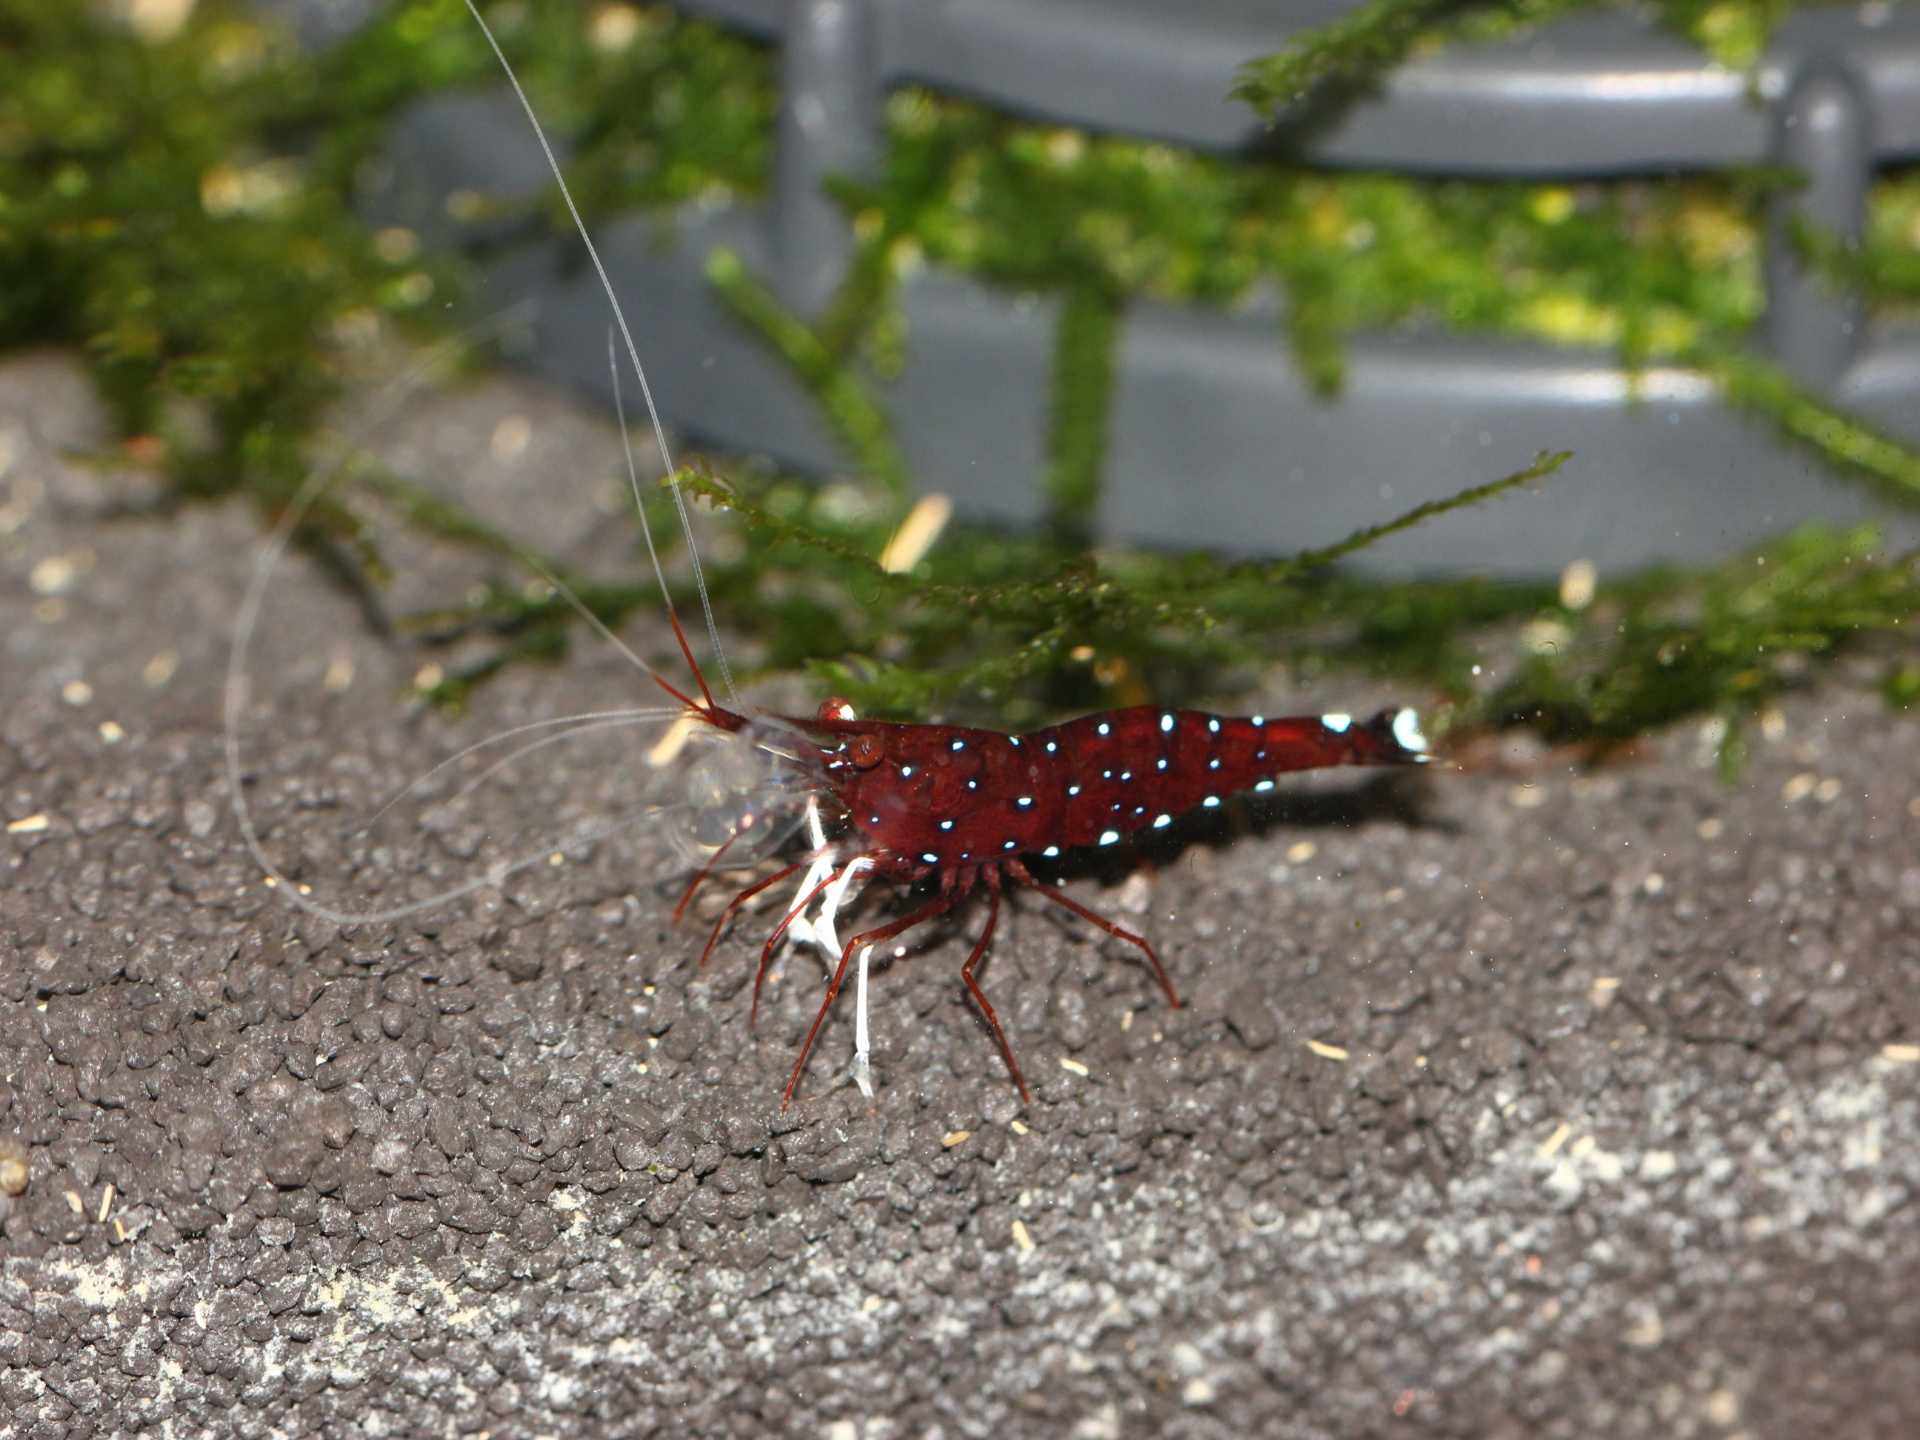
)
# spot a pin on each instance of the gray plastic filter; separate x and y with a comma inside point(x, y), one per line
point(1216, 440)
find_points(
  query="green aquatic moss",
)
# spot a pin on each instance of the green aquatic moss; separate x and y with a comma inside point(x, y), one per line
point(1378, 34)
point(179, 205)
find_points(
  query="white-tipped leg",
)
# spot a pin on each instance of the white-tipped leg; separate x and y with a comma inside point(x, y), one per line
point(862, 1071)
point(826, 933)
point(800, 932)
point(827, 941)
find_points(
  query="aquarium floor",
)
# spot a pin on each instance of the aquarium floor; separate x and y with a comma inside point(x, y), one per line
point(1506, 1102)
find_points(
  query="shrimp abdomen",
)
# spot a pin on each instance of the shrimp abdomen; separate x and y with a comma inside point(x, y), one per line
point(937, 797)
point(1141, 768)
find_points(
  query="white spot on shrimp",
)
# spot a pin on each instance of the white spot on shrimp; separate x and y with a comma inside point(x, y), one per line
point(1160, 820)
point(1051, 850)
point(1162, 763)
point(1051, 747)
point(1107, 837)
point(1166, 724)
point(946, 824)
point(1106, 774)
point(1406, 729)
point(1013, 845)
point(1258, 721)
point(959, 745)
point(1337, 722)
point(973, 784)
point(1014, 740)
point(1024, 801)
point(906, 772)
point(1211, 801)
point(931, 858)
point(1073, 789)
point(1214, 763)
point(1126, 774)
point(1213, 724)
point(1103, 728)
point(1264, 785)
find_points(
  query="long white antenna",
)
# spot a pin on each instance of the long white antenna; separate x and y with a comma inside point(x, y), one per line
point(640, 509)
point(235, 694)
point(633, 352)
point(583, 721)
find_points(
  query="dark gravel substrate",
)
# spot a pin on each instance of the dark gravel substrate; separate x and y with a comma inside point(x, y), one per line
point(1581, 1109)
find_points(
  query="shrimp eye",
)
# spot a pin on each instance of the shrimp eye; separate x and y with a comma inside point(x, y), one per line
point(836, 709)
point(866, 751)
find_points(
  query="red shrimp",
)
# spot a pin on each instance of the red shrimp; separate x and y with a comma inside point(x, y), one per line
point(963, 807)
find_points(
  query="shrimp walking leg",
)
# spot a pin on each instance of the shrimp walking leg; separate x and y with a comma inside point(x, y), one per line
point(862, 1045)
point(792, 917)
point(699, 879)
point(733, 905)
point(1021, 874)
point(939, 905)
point(979, 995)
point(827, 941)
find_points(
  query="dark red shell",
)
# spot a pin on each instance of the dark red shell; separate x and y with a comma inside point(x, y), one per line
point(937, 797)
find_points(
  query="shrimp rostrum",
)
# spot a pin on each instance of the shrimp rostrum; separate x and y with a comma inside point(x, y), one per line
point(963, 808)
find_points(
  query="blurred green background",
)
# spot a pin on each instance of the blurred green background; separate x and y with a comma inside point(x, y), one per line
point(176, 201)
